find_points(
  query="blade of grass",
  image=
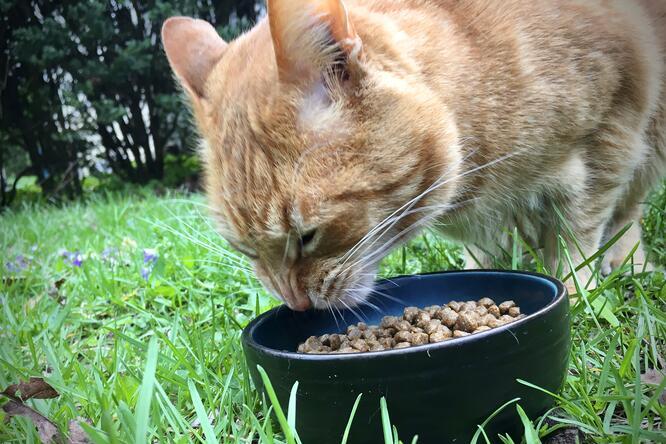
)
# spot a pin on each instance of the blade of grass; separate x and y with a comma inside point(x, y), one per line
point(345, 436)
point(142, 416)
point(284, 424)
point(199, 408)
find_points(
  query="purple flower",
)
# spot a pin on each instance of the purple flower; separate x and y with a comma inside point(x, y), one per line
point(145, 273)
point(149, 256)
point(19, 264)
point(73, 257)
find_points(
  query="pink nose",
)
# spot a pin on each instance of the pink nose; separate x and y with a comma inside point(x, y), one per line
point(295, 301)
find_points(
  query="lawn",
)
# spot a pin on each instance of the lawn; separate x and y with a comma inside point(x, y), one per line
point(131, 308)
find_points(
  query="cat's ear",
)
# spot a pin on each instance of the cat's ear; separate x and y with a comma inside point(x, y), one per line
point(193, 48)
point(309, 35)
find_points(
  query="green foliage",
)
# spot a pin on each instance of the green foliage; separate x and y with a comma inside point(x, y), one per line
point(106, 338)
point(87, 83)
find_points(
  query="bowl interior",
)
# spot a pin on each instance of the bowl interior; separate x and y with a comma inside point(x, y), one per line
point(283, 329)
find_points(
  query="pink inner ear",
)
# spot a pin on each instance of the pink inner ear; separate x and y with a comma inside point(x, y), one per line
point(193, 48)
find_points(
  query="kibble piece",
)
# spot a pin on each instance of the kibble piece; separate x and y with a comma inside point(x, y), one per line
point(505, 306)
point(376, 347)
point(481, 328)
point(420, 339)
point(455, 305)
point(409, 313)
point(494, 323)
point(403, 336)
point(354, 333)
point(433, 326)
point(312, 343)
point(507, 319)
point(448, 316)
point(360, 345)
point(403, 325)
point(389, 321)
point(494, 310)
point(486, 302)
point(432, 309)
point(481, 310)
point(348, 350)
point(368, 334)
point(514, 311)
point(487, 319)
point(416, 329)
point(439, 336)
point(468, 321)
point(301, 348)
point(422, 319)
point(362, 326)
point(468, 306)
point(387, 342)
point(334, 341)
point(460, 334)
point(402, 345)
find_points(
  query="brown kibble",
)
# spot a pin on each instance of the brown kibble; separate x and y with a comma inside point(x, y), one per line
point(403, 336)
point(389, 321)
point(439, 336)
point(387, 342)
point(433, 326)
point(348, 350)
point(422, 319)
point(420, 339)
point(514, 312)
point(448, 316)
point(468, 321)
point(334, 341)
point(505, 306)
point(487, 319)
point(403, 325)
point(481, 310)
point(481, 329)
point(494, 323)
point(455, 305)
point(409, 313)
point(312, 343)
point(360, 345)
point(376, 347)
point(354, 334)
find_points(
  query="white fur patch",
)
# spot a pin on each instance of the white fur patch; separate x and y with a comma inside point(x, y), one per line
point(319, 115)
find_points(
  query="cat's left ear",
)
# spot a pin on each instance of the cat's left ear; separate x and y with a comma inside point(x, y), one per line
point(309, 36)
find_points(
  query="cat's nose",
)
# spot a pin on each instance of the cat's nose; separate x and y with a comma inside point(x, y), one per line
point(294, 300)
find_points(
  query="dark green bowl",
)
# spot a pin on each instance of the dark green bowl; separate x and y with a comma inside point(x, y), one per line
point(440, 392)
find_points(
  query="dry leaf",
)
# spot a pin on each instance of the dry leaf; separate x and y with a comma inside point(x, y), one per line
point(655, 377)
point(35, 388)
point(76, 433)
point(48, 432)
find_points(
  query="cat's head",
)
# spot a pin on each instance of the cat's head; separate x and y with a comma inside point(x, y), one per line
point(322, 149)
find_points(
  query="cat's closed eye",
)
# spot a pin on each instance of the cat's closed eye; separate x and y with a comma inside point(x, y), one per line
point(306, 240)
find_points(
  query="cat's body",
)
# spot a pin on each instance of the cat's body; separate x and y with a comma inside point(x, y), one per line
point(332, 133)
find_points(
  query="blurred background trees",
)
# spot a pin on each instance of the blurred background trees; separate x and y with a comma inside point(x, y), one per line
point(87, 95)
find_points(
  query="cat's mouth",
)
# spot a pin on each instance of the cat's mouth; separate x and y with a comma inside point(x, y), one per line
point(344, 292)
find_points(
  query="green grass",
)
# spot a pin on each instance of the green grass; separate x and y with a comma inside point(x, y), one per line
point(159, 360)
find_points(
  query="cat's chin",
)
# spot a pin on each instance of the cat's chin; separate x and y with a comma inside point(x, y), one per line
point(354, 294)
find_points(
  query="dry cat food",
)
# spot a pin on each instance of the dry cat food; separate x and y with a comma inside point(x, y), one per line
point(417, 326)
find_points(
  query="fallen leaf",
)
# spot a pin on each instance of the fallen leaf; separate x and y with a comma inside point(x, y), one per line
point(59, 283)
point(34, 388)
point(76, 433)
point(48, 432)
point(655, 377)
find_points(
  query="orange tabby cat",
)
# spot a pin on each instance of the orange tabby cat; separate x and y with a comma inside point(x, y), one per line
point(334, 131)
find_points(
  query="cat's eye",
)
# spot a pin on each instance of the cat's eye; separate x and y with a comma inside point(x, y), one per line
point(307, 237)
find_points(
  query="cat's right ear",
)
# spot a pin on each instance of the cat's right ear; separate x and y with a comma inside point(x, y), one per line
point(193, 48)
